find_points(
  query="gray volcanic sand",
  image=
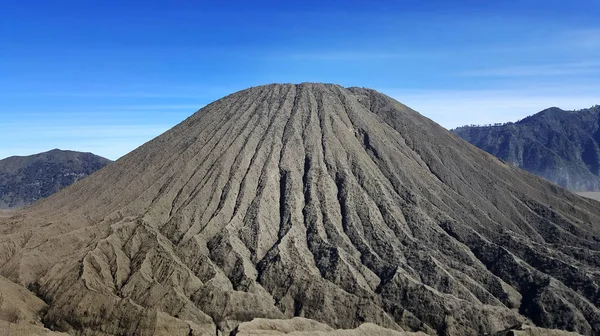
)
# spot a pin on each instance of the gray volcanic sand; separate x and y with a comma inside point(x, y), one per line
point(337, 205)
point(20, 311)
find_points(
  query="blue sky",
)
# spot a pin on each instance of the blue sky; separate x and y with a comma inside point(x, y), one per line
point(106, 76)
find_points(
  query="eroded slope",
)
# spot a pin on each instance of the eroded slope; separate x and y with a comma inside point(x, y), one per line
point(338, 205)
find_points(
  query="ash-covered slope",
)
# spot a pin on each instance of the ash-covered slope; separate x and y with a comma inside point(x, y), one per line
point(338, 205)
point(26, 179)
point(560, 146)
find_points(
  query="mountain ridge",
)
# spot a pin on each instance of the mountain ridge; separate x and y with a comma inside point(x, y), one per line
point(26, 179)
point(560, 146)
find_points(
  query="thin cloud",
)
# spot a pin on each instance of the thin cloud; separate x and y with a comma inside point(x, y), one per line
point(103, 94)
point(583, 38)
point(187, 107)
point(198, 92)
point(173, 109)
point(111, 141)
point(574, 68)
point(348, 55)
point(454, 108)
point(77, 132)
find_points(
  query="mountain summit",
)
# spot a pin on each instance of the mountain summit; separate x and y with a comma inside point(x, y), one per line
point(334, 204)
point(560, 146)
point(26, 179)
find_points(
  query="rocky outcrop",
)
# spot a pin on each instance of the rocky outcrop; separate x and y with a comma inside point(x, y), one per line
point(533, 331)
point(337, 205)
point(304, 327)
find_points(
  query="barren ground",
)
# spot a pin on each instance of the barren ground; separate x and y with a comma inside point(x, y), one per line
point(340, 206)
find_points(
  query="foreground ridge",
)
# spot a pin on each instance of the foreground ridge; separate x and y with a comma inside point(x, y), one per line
point(338, 205)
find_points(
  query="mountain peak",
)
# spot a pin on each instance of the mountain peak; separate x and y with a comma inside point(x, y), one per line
point(560, 146)
point(309, 200)
point(26, 179)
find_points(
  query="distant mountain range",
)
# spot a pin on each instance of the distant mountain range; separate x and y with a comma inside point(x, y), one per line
point(26, 179)
point(560, 146)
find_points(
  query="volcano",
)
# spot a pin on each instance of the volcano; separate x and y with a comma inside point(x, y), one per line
point(313, 204)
